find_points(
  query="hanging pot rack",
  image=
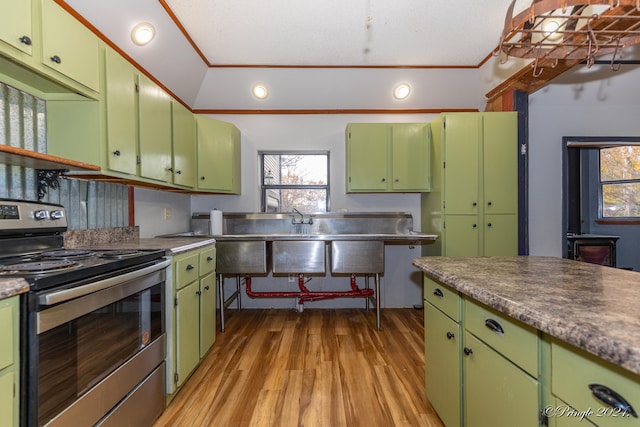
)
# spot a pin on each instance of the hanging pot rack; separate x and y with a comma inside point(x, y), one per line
point(553, 30)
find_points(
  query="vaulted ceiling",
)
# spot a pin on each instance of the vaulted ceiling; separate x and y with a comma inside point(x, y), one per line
point(312, 54)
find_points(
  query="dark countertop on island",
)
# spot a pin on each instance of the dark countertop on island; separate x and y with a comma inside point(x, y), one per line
point(592, 307)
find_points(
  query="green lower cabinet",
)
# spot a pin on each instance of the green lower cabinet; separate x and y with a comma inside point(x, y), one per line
point(442, 357)
point(594, 387)
point(9, 362)
point(496, 392)
point(187, 331)
point(207, 313)
point(562, 415)
point(7, 406)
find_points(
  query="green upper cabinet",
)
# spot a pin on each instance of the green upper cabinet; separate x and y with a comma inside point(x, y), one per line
point(15, 25)
point(69, 47)
point(219, 162)
point(474, 202)
point(383, 157)
point(121, 111)
point(154, 109)
point(184, 145)
point(410, 165)
point(367, 154)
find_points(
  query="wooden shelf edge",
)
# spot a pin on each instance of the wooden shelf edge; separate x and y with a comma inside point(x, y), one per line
point(31, 159)
point(131, 182)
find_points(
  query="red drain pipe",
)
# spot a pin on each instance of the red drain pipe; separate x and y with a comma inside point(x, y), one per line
point(305, 294)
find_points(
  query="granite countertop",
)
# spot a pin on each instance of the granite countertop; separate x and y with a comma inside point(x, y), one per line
point(171, 245)
point(11, 286)
point(592, 307)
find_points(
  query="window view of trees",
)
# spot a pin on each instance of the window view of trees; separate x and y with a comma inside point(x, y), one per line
point(620, 181)
point(295, 180)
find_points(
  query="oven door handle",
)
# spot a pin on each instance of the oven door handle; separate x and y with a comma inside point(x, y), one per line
point(72, 293)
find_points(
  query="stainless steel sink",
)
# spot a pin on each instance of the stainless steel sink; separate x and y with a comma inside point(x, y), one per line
point(242, 257)
point(357, 256)
point(298, 256)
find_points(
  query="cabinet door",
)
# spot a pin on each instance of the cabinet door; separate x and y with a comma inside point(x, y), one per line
point(367, 156)
point(218, 156)
point(69, 47)
point(120, 102)
point(7, 399)
point(15, 25)
point(410, 149)
point(500, 235)
point(154, 113)
point(207, 313)
point(500, 171)
point(184, 146)
point(496, 392)
point(442, 364)
point(461, 235)
point(461, 145)
point(187, 330)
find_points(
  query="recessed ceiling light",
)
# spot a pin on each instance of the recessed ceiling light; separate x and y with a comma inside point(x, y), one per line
point(260, 91)
point(401, 91)
point(551, 29)
point(143, 33)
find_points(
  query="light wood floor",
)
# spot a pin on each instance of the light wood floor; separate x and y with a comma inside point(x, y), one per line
point(316, 368)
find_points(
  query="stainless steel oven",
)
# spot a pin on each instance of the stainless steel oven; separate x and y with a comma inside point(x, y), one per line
point(92, 330)
point(92, 345)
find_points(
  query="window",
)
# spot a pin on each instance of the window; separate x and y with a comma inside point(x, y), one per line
point(620, 181)
point(297, 180)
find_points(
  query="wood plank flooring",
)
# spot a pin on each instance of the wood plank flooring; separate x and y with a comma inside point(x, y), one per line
point(316, 368)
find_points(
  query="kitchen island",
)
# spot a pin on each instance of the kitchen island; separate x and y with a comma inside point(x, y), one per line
point(563, 327)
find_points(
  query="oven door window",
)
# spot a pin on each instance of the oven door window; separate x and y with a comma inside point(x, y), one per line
point(78, 354)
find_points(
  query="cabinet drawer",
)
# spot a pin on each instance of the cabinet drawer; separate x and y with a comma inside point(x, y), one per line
point(442, 297)
point(207, 261)
point(573, 371)
point(6, 334)
point(187, 268)
point(516, 341)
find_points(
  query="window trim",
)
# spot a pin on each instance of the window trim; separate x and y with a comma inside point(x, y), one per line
point(611, 220)
point(264, 187)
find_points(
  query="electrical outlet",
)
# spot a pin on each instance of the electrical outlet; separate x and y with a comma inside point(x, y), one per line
point(167, 213)
point(292, 278)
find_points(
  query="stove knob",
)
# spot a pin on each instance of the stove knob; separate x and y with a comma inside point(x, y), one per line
point(56, 214)
point(40, 215)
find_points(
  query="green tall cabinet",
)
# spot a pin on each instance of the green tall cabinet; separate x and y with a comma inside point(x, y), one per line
point(473, 203)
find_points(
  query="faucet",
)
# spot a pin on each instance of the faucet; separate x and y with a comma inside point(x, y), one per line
point(302, 220)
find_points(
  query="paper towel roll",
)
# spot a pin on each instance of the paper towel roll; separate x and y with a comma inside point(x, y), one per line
point(215, 219)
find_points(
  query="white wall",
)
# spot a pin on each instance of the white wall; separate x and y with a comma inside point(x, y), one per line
point(150, 208)
point(595, 102)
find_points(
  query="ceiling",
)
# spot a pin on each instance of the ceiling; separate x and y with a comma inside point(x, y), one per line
point(329, 54)
point(342, 33)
